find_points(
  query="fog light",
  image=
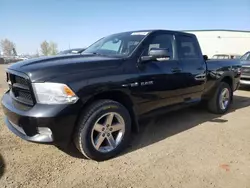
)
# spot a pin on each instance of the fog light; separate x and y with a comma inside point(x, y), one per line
point(44, 131)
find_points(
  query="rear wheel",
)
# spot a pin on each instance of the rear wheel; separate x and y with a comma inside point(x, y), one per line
point(103, 131)
point(221, 100)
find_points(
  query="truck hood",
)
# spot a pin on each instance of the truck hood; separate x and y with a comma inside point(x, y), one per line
point(45, 68)
point(245, 63)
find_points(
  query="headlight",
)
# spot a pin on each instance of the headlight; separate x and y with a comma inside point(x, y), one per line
point(53, 93)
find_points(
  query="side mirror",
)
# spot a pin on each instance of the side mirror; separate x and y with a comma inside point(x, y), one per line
point(205, 57)
point(156, 53)
point(159, 53)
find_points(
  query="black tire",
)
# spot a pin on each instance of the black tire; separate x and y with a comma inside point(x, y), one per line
point(214, 104)
point(85, 125)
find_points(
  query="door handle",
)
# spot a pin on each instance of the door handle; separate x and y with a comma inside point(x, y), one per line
point(175, 70)
point(200, 77)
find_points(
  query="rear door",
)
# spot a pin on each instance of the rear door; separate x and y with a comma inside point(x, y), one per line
point(193, 67)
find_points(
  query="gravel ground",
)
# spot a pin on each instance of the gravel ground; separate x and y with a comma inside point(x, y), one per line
point(189, 148)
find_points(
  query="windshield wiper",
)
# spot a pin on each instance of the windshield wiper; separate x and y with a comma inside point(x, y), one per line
point(95, 53)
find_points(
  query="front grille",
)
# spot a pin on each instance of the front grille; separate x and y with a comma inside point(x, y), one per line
point(245, 78)
point(245, 71)
point(20, 89)
point(21, 80)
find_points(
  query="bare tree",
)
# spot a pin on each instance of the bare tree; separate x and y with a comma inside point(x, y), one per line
point(53, 48)
point(7, 46)
point(48, 48)
point(45, 48)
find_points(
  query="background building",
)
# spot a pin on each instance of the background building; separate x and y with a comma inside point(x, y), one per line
point(222, 41)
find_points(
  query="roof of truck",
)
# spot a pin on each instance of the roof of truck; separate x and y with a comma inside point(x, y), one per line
point(228, 30)
point(155, 30)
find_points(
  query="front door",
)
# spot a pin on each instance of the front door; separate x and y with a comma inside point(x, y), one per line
point(159, 83)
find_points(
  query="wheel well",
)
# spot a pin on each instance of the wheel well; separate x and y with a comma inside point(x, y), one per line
point(120, 97)
point(228, 80)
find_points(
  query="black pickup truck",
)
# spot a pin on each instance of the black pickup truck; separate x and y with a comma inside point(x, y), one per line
point(96, 98)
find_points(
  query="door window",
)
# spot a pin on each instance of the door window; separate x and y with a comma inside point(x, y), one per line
point(187, 48)
point(161, 41)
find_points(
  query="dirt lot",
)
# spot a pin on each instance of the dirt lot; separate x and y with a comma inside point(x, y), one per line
point(188, 148)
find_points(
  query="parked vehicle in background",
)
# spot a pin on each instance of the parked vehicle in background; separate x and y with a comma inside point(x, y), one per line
point(14, 59)
point(226, 56)
point(96, 98)
point(21, 58)
point(72, 51)
point(245, 76)
point(2, 60)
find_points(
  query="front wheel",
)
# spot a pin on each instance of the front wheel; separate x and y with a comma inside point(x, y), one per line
point(103, 131)
point(221, 100)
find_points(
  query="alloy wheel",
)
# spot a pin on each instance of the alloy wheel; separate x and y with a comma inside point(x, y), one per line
point(108, 132)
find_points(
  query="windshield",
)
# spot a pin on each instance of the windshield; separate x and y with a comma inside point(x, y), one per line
point(246, 57)
point(117, 45)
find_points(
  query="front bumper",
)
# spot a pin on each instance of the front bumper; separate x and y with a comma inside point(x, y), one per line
point(245, 79)
point(245, 82)
point(40, 123)
point(40, 137)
